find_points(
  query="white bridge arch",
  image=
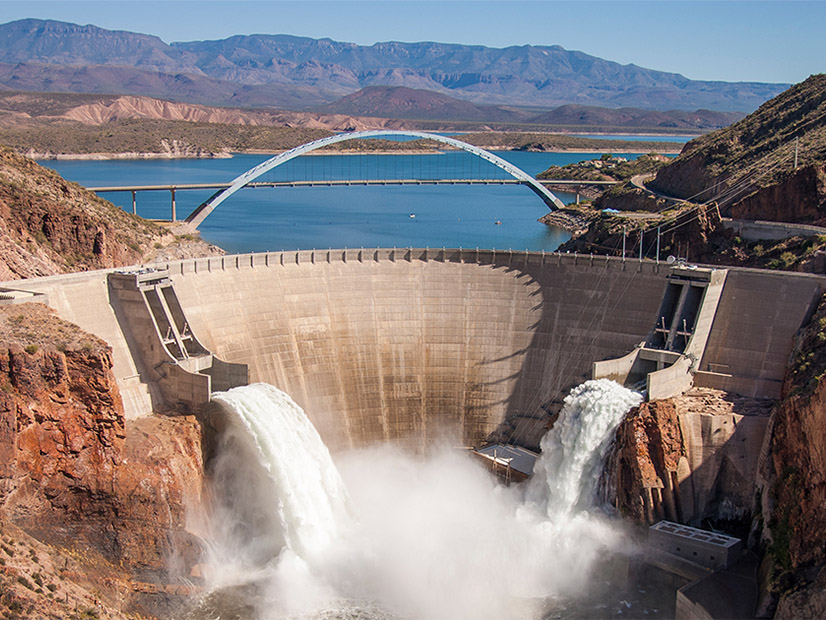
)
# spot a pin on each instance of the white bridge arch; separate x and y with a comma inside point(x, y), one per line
point(202, 211)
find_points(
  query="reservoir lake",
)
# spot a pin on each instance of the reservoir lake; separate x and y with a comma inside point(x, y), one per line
point(291, 218)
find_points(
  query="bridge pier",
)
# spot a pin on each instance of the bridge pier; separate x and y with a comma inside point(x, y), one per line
point(134, 202)
point(172, 191)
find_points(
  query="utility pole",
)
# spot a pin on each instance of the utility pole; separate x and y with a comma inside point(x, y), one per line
point(623, 243)
point(658, 244)
point(642, 230)
point(796, 140)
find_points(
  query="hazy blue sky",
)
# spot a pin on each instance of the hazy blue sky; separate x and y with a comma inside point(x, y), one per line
point(735, 40)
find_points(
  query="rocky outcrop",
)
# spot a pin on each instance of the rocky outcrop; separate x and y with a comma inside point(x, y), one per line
point(74, 474)
point(792, 525)
point(799, 196)
point(691, 459)
point(50, 226)
point(806, 603)
point(626, 197)
point(770, 165)
point(798, 522)
point(644, 461)
point(696, 235)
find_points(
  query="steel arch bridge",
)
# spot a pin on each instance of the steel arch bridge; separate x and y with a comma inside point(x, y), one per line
point(202, 211)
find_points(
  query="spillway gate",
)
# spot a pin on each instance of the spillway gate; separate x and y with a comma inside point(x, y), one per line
point(666, 361)
point(182, 371)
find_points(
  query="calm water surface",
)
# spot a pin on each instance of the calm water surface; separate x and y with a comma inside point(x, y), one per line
point(263, 219)
point(634, 137)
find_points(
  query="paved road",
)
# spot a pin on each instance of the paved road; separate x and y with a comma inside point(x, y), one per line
point(639, 181)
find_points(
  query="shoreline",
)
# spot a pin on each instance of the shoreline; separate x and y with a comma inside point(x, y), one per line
point(49, 156)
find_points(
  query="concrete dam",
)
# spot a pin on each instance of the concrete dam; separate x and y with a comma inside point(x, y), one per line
point(403, 344)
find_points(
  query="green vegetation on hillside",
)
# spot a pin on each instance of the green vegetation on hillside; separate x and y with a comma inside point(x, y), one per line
point(769, 166)
point(607, 168)
point(758, 151)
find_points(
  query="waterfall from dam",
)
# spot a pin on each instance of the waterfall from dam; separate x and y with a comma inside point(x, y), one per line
point(310, 495)
point(382, 533)
point(573, 451)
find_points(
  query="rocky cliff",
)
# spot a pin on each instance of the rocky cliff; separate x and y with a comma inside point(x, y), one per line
point(792, 523)
point(770, 165)
point(74, 474)
point(691, 459)
point(49, 225)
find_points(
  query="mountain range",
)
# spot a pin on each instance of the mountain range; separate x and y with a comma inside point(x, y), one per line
point(302, 73)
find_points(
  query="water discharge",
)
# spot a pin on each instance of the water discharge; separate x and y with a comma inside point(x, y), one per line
point(382, 533)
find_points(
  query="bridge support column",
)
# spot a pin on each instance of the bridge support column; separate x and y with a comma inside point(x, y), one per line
point(134, 202)
point(172, 191)
point(577, 197)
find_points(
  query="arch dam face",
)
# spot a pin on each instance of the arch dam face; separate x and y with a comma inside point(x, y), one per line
point(403, 345)
point(203, 210)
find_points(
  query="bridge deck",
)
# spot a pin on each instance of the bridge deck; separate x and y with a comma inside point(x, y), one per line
point(341, 182)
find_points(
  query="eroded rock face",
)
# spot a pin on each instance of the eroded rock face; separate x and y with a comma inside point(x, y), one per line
point(807, 602)
point(799, 197)
point(49, 226)
point(66, 435)
point(73, 473)
point(795, 523)
point(644, 460)
point(690, 459)
point(769, 165)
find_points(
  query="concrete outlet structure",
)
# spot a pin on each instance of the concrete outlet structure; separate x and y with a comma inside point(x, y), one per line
point(407, 344)
point(707, 549)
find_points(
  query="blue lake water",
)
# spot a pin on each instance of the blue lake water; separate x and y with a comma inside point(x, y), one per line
point(260, 219)
point(634, 137)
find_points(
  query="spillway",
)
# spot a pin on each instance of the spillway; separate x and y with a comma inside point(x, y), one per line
point(401, 534)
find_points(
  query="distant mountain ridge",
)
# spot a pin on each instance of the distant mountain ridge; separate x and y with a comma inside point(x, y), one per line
point(411, 103)
point(302, 73)
point(374, 107)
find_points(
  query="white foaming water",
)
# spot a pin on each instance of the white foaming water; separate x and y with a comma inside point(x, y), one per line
point(574, 449)
point(311, 498)
point(418, 537)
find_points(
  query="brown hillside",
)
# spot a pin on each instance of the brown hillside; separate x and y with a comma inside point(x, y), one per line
point(19, 108)
point(49, 226)
point(404, 102)
point(749, 167)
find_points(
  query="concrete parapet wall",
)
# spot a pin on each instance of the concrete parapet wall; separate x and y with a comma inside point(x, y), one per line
point(670, 381)
point(617, 369)
point(759, 230)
